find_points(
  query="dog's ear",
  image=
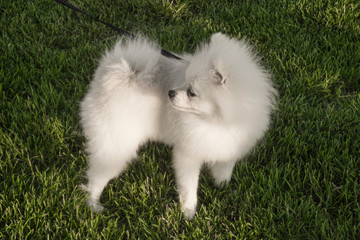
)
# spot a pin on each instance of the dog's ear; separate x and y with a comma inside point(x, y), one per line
point(218, 74)
point(220, 79)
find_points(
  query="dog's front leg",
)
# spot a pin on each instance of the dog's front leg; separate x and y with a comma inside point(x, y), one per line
point(187, 172)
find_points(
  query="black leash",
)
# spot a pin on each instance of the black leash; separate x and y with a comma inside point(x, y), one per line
point(121, 31)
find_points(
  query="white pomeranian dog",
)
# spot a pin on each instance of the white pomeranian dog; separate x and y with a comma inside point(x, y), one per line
point(212, 107)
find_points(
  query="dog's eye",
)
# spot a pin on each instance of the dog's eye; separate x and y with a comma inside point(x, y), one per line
point(190, 93)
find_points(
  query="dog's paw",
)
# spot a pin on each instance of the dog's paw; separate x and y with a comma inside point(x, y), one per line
point(96, 207)
point(222, 183)
point(188, 213)
point(93, 203)
point(188, 206)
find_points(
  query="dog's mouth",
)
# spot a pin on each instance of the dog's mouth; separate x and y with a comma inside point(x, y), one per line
point(180, 106)
point(185, 109)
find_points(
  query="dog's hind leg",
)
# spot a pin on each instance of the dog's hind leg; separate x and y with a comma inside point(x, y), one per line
point(100, 172)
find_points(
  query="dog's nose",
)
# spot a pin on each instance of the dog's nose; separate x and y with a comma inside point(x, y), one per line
point(171, 94)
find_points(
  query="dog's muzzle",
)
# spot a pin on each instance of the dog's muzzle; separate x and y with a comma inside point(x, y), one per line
point(171, 94)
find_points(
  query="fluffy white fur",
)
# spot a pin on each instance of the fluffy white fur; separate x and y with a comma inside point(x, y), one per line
point(212, 108)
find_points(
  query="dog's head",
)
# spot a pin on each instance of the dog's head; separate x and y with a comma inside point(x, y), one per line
point(198, 94)
point(223, 80)
point(206, 87)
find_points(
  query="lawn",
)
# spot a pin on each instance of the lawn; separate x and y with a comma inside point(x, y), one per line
point(301, 182)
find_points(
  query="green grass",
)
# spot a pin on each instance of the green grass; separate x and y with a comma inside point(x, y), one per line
point(302, 182)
